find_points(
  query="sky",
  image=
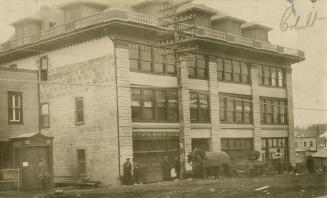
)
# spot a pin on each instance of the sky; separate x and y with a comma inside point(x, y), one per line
point(309, 76)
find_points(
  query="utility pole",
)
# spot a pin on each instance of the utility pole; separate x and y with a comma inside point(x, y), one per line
point(177, 38)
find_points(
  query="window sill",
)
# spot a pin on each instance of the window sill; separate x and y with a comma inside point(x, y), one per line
point(236, 126)
point(266, 86)
point(15, 122)
point(270, 126)
point(79, 123)
point(198, 78)
point(238, 83)
point(154, 73)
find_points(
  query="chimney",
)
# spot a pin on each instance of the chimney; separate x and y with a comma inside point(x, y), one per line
point(45, 17)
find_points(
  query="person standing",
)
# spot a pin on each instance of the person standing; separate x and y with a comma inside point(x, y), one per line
point(177, 166)
point(165, 168)
point(127, 172)
point(43, 173)
point(137, 172)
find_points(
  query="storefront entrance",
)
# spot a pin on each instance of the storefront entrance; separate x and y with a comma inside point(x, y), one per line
point(275, 151)
point(149, 153)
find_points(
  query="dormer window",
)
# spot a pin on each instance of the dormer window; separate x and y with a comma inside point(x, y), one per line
point(255, 31)
point(80, 8)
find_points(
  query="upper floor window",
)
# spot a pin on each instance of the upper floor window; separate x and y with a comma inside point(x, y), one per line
point(311, 143)
point(305, 144)
point(44, 68)
point(45, 121)
point(233, 70)
point(149, 59)
point(15, 107)
point(271, 76)
point(273, 111)
point(154, 104)
point(235, 109)
point(199, 104)
point(79, 110)
point(197, 66)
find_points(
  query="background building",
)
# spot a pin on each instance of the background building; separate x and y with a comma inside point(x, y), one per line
point(109, 91)
point(19, 112)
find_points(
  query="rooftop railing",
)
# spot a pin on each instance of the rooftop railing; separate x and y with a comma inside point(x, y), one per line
point(146, 20)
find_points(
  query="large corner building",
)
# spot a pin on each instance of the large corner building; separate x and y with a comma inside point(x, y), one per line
point(108, 91)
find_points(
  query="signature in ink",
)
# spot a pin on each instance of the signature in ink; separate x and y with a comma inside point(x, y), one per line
point(301, 22)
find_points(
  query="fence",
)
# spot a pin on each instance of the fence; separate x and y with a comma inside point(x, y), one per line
point(10, 176)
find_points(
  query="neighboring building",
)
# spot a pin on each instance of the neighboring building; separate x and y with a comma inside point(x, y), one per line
point(108, 93)
point(309, 140)
point(19, 112)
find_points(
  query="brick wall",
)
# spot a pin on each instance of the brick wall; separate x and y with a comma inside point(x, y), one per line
point(290, 112)
point(256, 108)
point(23, 81)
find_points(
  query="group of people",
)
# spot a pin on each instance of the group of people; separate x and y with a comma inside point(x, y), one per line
point(132, 173)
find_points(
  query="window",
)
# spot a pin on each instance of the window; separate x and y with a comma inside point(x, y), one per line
point(280, 78)
point(79, 110)
point(273, 111)
point(81, 160)
point(270, 76)
point(15, 107)
point(134, 56)
point(45, 121)
point(237, 143)
point(154, 104)
point(232, 70)
point(222, 109)
point(199, 106)
point(311, 143)
point(236, 71)
point(220, 69)
point(305, 144)
point(13, 66)
point(44, 68)
point(149, 59)
point(197, 66)
point(145, 58)
point(136, 103)
point(235, 109)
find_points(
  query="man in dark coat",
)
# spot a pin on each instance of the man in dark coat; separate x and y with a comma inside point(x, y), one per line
point(165, 168)
point(127, 172)
point(177, 167)
point(310, 164)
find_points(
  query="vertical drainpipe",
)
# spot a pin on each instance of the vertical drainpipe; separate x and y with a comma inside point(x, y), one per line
point(118, 134)
point(39, 99)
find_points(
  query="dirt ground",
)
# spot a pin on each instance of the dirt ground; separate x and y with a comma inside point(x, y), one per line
point(280, 186)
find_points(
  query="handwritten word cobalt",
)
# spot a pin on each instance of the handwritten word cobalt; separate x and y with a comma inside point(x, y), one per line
point(301, 22)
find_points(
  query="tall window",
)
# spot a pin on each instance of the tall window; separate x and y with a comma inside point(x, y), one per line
point(235, 109)
point(154, 104)
point(199, 104)
point(45, 121)
point(44, 68)
point(81, 161)
point(271, 76)
point(273, 111)
point(233, 70)
point(150, 59)
point(15, 109)
point(79, 110)
point(197, 66)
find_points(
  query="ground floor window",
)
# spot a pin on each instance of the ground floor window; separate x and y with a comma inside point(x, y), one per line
point(274, 151)
point(81, 160)
point(238, 149)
